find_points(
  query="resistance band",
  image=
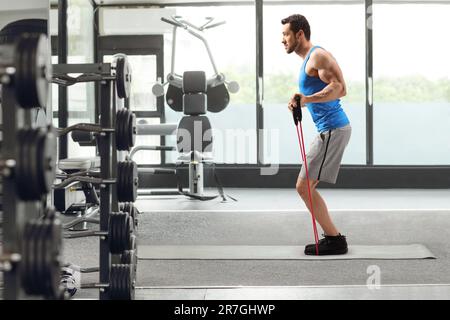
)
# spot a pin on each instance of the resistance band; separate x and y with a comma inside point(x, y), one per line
point(297, 114)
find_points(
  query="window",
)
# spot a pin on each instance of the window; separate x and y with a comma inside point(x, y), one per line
point(81, 96)
point(411, 84)
point(233, 48)
point(338, 29)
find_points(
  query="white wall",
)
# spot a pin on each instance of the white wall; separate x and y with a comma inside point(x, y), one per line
point(23, 9)
point(114, 21)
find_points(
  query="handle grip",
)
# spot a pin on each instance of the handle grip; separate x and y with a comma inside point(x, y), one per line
point(176, 24)
point(297, 112)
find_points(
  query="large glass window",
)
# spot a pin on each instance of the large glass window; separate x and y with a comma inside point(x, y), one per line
point(338, 29)
point(411, 84)
point(233, 49)
point(81, 96)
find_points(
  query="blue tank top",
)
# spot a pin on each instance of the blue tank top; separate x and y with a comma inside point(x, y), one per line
point(326, 115)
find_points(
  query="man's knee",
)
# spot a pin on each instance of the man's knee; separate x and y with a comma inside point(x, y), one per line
point(302, 187)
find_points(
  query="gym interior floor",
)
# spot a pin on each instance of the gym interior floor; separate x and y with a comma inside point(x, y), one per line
point(276, 217)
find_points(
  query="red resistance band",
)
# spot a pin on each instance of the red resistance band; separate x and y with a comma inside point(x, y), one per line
point(297, 113)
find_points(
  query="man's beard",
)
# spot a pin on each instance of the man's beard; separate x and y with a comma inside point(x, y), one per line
point(292, 49)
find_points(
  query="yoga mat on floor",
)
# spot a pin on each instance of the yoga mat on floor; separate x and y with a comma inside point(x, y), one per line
point(241, 252)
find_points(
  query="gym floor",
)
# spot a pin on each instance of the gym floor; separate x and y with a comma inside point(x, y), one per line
point(276, 217)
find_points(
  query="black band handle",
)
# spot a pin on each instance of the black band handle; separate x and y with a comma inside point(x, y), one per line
point(297, 112)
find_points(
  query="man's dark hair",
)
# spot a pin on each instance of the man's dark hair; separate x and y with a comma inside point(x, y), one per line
point(298, 22)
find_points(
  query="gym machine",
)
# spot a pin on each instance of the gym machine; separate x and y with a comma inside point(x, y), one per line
point(193, 95)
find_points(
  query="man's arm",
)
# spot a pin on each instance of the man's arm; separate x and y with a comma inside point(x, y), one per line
point(330, 73)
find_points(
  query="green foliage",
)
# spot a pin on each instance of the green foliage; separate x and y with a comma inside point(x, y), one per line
point(279, 87)
point(411, 89)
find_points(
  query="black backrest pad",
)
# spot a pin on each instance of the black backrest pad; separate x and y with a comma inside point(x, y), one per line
point(194, 133)
point(194, 82)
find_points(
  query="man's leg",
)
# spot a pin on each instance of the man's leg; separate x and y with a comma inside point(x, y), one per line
point(320, 208)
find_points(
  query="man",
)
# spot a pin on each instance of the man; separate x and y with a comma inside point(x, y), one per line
point(321, 84)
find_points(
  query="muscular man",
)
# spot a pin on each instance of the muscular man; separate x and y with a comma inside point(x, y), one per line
point(321, 84)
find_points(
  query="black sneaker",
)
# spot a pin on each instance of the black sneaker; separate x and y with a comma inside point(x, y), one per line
point(330, 245)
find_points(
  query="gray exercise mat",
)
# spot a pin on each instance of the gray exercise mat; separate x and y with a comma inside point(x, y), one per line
point(239, 252)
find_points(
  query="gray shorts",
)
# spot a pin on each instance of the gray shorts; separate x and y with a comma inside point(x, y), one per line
point(325, 154)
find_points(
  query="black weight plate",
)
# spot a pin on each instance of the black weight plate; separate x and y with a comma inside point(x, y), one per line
point(43, 72)
point(135, 181)
point(119, 182)
point(20, 85)
point(125, 129)
point(126, 207)
point(131, 130)
point(126, 257)
point(121, 188)
point(10, 32)
point(121, 282)
point(133, 242)
point(33, 282)
point(123, 77)
point(30, 278)
point(120, 133)
point(133, 213)
point(122, 278)
point(36, 163)
point(48, 156)
point(120, 81)
point(129, 181)
point(26, 270)
point(128, 231)
point(37, 261)
point(47, 254)
point(122, 227)
point(32, 166)
point(54, 246)
point(118, 232)
point(43, 263)
point(115, 282)
point(130, 256)
point(130, 281)
point(40, 162)
point(217, 98)
point(21, 173)
point(112, 233)
point(33, 68)
point(22, 170)
point(117, 131)
point(174, 98)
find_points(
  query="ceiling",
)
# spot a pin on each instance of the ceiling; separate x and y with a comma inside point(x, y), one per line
point(150, 2)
